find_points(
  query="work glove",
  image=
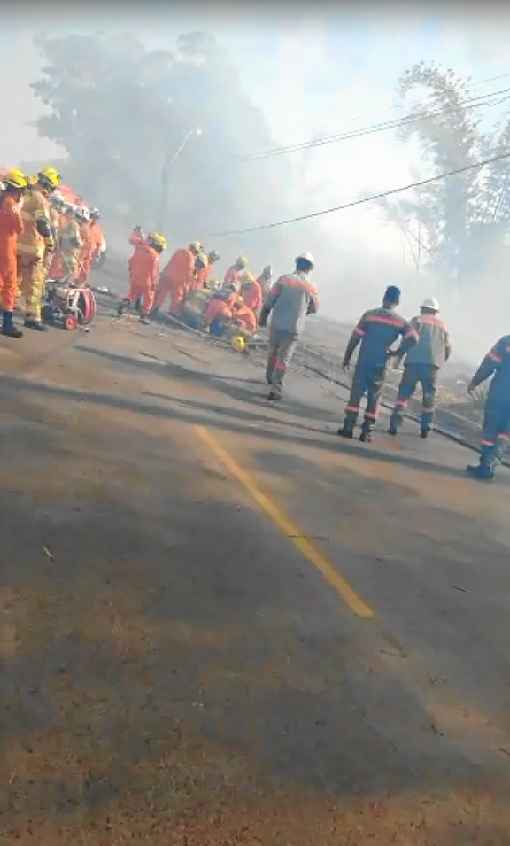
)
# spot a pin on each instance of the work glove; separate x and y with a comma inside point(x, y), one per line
point(43, 227)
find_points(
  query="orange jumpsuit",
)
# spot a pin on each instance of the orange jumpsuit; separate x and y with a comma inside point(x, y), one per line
point(143, 275)
point(245, 317)
point(176, 280)
point(201, 277)
point(57, 267)
point(135, 239)
point(233, 276)
point(85, 254)
point(97, 242)
point(217, 308)
point(10, 227)
point(252, 295)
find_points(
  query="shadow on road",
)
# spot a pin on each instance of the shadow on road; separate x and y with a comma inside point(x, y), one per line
point(174, 671)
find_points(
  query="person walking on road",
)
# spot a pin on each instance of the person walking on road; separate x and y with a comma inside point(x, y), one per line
point(496, 423)
point(376, 331)
point(423, 362)
point(290, 300)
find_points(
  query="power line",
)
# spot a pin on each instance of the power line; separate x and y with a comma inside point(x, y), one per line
point(490, 79)
point(368, 199)
point(488, 99)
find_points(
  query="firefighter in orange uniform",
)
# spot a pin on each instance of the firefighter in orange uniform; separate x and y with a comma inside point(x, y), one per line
point(177, 279)
point(11, 226)
point(143, 273)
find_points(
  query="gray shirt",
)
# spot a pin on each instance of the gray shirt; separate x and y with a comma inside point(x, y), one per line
point(290, 299)
point(433, 346)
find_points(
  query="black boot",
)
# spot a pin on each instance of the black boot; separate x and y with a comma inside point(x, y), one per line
point(486, 468)
point(480, 471)
point(394, 425)
point(123, 306)
point(426, 423)
point(35, 324)
point(366, 432)
point(347, 429)
point(8, 327)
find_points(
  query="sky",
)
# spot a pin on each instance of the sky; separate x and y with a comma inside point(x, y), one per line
point(314, 69)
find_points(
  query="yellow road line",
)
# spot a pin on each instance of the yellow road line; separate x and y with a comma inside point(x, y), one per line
point(288, 528)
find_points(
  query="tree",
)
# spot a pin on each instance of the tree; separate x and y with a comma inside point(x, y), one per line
point(464, 216)
point(121, 111)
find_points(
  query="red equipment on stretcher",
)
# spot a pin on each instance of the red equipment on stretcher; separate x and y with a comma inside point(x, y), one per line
point(69, 306)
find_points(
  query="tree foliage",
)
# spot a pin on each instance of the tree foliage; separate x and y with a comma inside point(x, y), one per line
point(465, 217)
point(121, 111)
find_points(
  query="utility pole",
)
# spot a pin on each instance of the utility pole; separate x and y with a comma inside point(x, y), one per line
point(169, 160)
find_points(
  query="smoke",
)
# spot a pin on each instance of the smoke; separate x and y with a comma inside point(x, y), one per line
point(257, 79)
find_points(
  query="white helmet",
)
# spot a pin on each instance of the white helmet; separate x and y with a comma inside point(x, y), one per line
point(431, 303)
point(306, 257)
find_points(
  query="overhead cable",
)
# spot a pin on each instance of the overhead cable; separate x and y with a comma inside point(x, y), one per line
point(488, 99)
point(367, 199)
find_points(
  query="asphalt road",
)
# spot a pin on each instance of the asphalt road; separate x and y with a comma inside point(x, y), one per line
point(221, 625)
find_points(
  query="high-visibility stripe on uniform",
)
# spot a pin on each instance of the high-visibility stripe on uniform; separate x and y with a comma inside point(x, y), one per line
point(370, 415)
point(401, 403)
point(488, 443)
point(494, 356)
point(359, 332)
point(505, 436)
point(352, 409)
point(412, 333)
point(380, 318)
point(296, 282)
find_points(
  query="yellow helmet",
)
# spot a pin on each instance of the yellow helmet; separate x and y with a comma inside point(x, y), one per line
point(157, 240)
point(16, 179)
point(49, 176)
point(238, 343)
